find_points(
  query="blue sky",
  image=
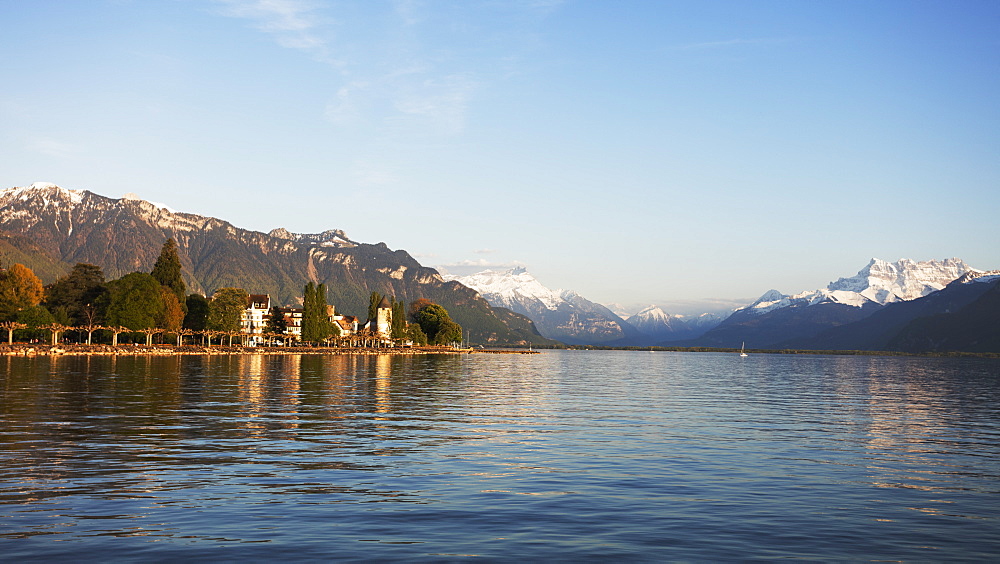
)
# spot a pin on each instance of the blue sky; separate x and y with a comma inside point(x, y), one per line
point(636, 151)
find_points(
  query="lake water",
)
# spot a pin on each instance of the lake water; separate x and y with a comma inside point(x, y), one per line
point(565, 455)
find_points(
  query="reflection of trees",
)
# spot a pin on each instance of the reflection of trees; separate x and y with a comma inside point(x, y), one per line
point(91, 418)
point(114, 423)
point(196, 429)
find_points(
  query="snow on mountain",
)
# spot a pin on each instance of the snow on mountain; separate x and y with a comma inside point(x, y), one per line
point(652, 313)
point(903, 280)
point(46, 192)
point(655, 322)
point(559, 314)
point(979, 276)
point(621, 310)
point(125, 235)
point(511, 287)
point(705, 321)
point(661, 326)
point(329, 238)
point(880, 282)
point(134, 196)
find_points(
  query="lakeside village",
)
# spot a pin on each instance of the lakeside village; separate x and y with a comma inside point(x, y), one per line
point(105, 315)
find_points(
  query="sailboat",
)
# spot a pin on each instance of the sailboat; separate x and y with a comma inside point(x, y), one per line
point(742, 347)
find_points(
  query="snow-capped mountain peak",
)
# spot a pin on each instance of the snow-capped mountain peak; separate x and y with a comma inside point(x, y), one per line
point(559, 314)
point(507, 287)
point(650, 318)
point(329, 238)
point(661, 326)
point(47, 192)
point(886, 282)
point(879, 282)
point(979, 276)
point(651, 313)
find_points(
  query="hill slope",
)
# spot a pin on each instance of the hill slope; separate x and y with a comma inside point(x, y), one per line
point(659, 326)
point(559, 314)
point(972, 328)
point(877, 331)
point(778, 320)
point(20, 249)
point(125, 235)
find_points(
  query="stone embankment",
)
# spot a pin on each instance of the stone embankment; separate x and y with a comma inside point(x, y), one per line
point(25, 349)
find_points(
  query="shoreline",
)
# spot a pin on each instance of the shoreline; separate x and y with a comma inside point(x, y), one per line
point(66, 349)
point(63, 349)
point(833, 352)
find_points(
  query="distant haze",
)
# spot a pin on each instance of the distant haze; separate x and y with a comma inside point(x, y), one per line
point(686, 307)
point(637, 153)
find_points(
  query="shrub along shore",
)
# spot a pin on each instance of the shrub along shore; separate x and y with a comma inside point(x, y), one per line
point(33, 349)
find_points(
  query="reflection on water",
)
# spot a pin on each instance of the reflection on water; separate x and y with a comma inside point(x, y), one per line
point(382, 384)
point(568, 455)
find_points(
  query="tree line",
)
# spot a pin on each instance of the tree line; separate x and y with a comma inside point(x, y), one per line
point(157, 302)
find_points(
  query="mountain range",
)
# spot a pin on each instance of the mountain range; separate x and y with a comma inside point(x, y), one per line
point(659, 325)
point(567, 316)
point(970, 328)
point(562, 315)
point(777, 320)
point(50, 228)
point(907, 305)
point(958, 317)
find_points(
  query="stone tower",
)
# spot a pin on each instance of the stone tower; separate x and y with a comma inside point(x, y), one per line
point(383, 317)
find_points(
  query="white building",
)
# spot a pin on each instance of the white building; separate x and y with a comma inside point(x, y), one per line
point(254, 319)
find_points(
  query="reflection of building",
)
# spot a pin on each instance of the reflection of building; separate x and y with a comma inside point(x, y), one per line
point(383, 384)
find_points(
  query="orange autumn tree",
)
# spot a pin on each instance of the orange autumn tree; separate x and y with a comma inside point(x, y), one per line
point(19, 290)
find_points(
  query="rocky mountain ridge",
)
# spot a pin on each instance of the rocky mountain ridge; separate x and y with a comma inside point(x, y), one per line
point(882, 329)
point(660, 326)
point(125, 235)
point(879, 282)
point(776, 320)
point(563, 315)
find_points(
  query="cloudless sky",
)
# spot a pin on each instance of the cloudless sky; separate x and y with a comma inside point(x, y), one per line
point(635, 151)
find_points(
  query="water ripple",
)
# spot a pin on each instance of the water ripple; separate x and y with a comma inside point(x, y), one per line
point(565, 455)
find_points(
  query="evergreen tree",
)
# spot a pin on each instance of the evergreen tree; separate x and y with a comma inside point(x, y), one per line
point(322, 316)
point(373, 302)
point(60, 314)
point(315, 323)
point(135, 301)
point(276, 322)
point(167, 270)
point(197, 312)
point(226, 309)
point(398, 319)
point(308, 311)
point(73, 293)
point(19, 289)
